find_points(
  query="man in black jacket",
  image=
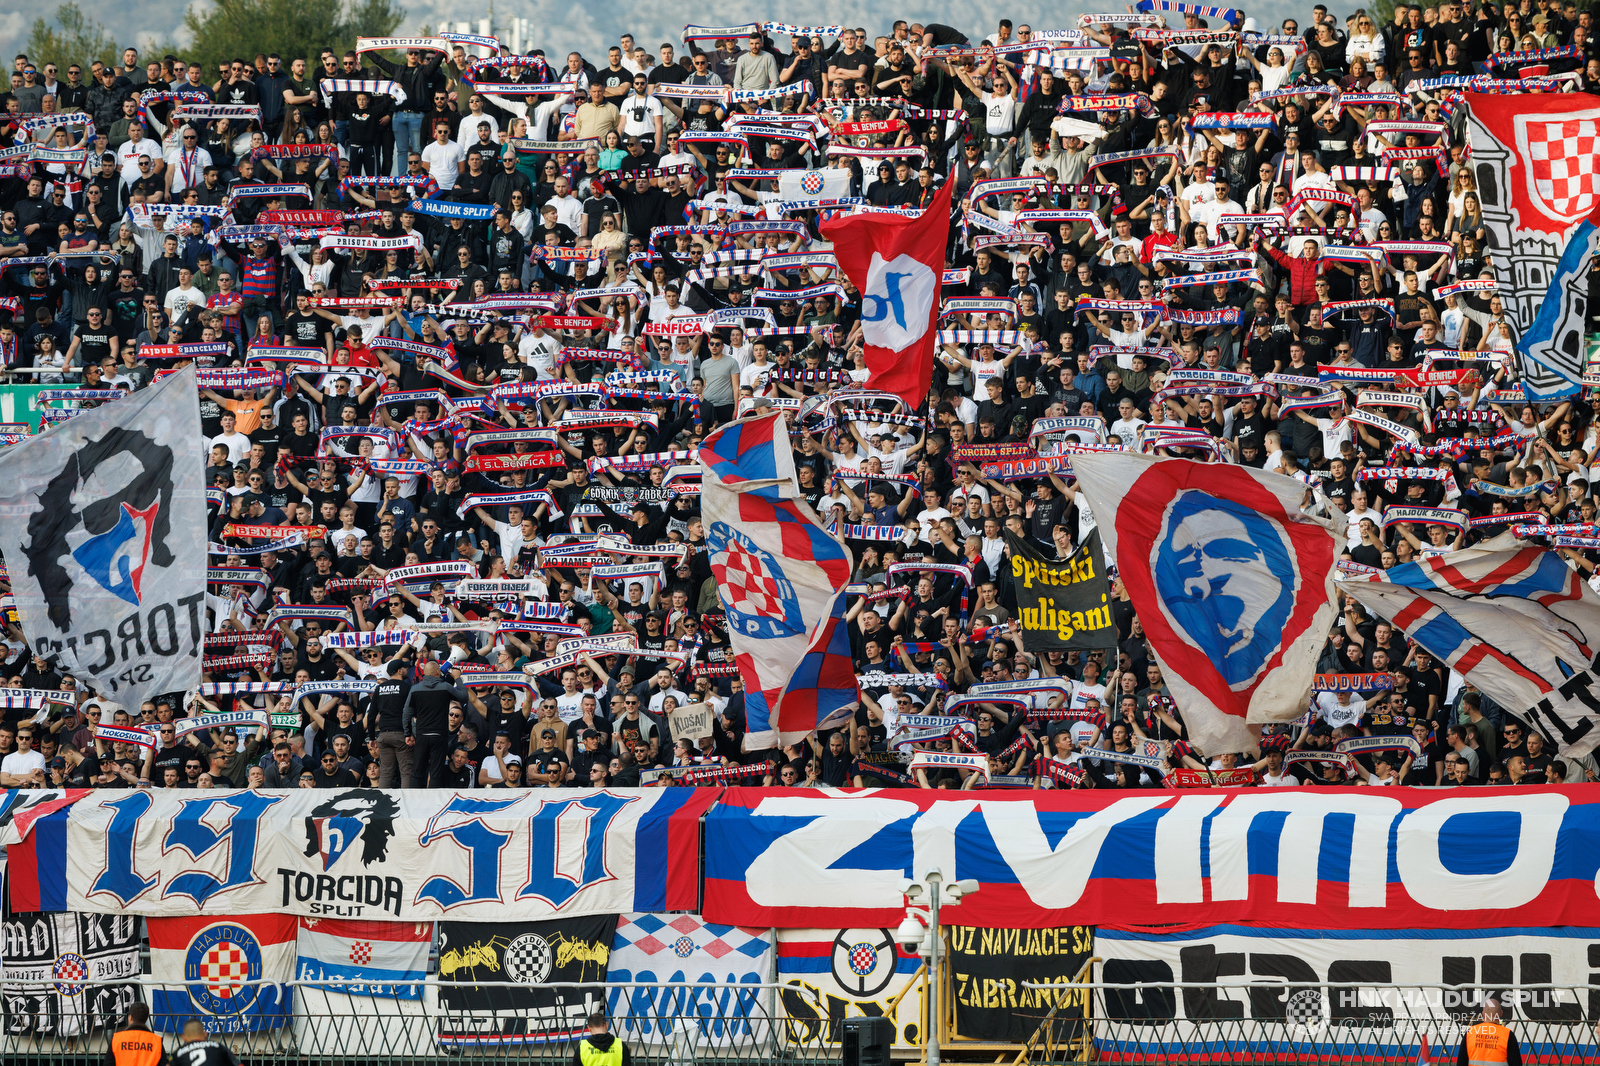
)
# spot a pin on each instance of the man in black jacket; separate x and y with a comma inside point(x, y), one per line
point(510, 180)
point(643, 205)
point(425, 720)
point(105, 98)
point(417, 78)
point(1040, 108)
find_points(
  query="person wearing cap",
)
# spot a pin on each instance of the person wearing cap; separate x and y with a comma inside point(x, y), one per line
point(592, 752)
point(547, 766)
point(513, 774)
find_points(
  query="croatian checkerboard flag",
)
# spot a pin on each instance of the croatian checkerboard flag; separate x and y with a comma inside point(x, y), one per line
point(232, 973)
point(364, 957)
point(1543, 213)
point(1520, 625)
point(781, 578)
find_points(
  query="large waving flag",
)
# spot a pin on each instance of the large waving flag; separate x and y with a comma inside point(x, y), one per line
point(1542, 209)
point(781, 579)
point(102, 526)
point(1521, 625)
point(897, 262)
point(1234, 585)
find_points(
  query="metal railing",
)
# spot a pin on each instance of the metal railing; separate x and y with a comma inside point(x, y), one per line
point(1274, 1020)
point(335, 1022)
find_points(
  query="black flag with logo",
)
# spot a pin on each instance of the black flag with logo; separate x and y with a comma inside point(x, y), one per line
point(1062, 604)
point(512, 983)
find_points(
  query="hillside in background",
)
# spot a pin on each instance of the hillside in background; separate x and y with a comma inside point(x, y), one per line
point(561, 26)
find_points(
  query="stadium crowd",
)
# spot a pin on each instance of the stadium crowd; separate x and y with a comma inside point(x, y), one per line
point(468, 317)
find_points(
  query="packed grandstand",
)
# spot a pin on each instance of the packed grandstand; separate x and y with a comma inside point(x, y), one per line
point(461, 321)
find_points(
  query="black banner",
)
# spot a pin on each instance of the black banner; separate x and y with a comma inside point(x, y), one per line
point(80, 956)
point(530, 956)
point(991, 968)
point(1064, 604)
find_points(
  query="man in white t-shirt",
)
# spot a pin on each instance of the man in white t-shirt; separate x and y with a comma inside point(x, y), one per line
point(933, 510)
point(444, 159)
point(1128, 424)
point(178, 301)
point(467, 128)
point(237, 443)
point(664, 687)
point(510, 532)
point(24, 766)
point(136, 147)
point(642, 114)
point(538, 349)
point(674, 156)
point(1360, 508)
point(1273, 775)
point(1086, 690)
point(186, 163)
point(569, 209)
point(1209, 211)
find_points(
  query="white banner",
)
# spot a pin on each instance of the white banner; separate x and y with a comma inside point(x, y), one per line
point(852, 973)
point(679, 949)
point(813, 184)
point(367, 853)
point(1275, 987)
point(691, 722)
point(104, 528)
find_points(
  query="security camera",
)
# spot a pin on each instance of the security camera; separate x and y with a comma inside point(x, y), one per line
point(909, 888)
point(965, 887)
point(910, 934)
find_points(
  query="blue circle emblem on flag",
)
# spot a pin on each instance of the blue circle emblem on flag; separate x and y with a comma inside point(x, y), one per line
point(1225, 574)
point(219, 962)
point(69, 971)
point(760, 599)
point(864, 961)
point(811, 182)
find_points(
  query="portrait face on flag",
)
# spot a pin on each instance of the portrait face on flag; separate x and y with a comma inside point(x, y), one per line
point(1234, 584)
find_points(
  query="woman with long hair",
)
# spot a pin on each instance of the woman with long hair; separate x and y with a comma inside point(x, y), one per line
point(610, 240)
point(126, 246)
point(293, 123)
point(613, 154)
point(1469, 221)
point(1274, 73)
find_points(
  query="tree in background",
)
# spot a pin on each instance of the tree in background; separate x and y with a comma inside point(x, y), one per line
point(294, 30)
point(74, 39)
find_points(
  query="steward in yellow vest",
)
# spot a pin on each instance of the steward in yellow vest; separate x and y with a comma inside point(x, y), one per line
point(601, 1047)
point(1489, 1043)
